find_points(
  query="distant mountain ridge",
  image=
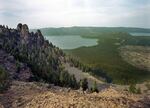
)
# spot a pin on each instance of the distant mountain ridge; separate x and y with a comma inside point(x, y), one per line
point(90, 30)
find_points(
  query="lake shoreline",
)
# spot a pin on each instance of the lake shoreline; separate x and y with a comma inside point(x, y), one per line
point(67, 42)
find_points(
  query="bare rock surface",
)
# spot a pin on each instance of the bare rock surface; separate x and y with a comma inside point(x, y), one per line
point(15, 69)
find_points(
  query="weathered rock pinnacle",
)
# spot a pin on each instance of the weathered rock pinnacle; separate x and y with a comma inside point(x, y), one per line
point(24, 30)
point(19, 27)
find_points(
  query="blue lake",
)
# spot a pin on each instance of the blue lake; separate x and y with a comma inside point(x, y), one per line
point(71, 42)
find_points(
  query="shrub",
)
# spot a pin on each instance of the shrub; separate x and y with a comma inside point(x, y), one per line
point(68, 80)
point(148, 86)
point(138, 91)
point(94, 88)
point(84, 84)
point(132, 88)
point(3, 79)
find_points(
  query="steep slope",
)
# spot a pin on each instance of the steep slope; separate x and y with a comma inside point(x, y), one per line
point(31, 54)
point(29, 57)
point(15, 69)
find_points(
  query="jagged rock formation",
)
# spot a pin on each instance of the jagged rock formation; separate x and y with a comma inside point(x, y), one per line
point(24, 32)
point(19, 27)
point(30, 50)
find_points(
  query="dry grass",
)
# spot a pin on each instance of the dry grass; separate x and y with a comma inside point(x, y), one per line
point(34, 95)
point(138, 56)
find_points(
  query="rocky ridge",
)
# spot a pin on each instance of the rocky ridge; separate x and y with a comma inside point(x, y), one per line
point(28, 52)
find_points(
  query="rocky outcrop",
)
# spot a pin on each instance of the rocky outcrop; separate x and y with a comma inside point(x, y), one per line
point(15, 69)
point(24, 31)
point(16, 42)
point(39, 33)
point(40, 37)
point(19, 27)
point(22, 34)
point(31, 50)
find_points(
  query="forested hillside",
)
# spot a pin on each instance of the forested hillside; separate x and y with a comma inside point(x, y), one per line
point(28, 56)
point(106, 56)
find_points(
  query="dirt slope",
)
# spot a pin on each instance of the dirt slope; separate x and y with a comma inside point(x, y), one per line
point(39, 95)
point(79, 74)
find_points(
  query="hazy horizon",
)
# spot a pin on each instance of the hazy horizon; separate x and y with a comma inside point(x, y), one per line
point(89, 26)
point(68, 13)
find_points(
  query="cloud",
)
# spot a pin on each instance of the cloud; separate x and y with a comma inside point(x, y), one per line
point(56, 13)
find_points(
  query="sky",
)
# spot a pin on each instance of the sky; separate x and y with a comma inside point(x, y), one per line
point(66, 13)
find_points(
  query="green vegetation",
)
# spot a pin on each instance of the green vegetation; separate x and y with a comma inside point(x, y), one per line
point(102, 60)
point(94, 88)
point(68, 80)
point(106, 56)
point(133, 89)
point(41, 56)
point(93, 71)
point(3, 79)
point(84, 84)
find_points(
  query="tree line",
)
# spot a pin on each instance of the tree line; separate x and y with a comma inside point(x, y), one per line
point(95, 71)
